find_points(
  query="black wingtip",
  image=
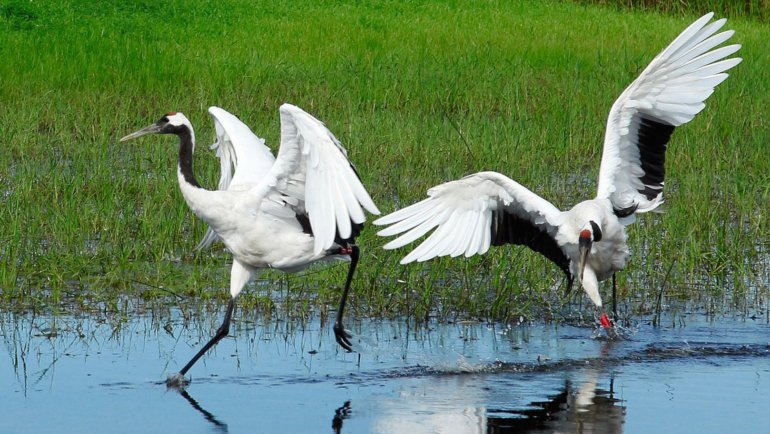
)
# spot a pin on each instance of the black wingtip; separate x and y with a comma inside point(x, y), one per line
point(652, 137)
point(625, 212)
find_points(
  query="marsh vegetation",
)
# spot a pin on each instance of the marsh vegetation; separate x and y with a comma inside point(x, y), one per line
point(419, 92)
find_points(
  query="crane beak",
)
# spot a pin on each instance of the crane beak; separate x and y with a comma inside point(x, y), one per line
point(584, 249)
point(151, 129)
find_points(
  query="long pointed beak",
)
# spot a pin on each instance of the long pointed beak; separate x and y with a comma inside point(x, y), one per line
point(584, 249)
point(151, 129)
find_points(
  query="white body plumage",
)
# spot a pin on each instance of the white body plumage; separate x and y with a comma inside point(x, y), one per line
point(255, 211)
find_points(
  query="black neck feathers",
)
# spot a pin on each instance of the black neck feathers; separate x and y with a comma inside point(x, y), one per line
point(186, 147)
point(596, 230)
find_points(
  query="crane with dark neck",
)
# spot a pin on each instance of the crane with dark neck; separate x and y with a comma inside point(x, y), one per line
point(265, 213)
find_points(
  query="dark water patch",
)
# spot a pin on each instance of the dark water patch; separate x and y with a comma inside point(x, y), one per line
point(660, 352)
point(654, 353)
point(120, 385)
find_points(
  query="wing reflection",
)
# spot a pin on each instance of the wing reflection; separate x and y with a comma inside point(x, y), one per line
point(220, 426)
point(579, 401)
point(582, 409)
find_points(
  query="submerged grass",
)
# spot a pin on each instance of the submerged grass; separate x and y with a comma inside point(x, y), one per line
point(419, 92)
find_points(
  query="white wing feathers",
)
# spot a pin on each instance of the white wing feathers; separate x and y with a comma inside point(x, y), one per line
point(312, 168)
point(462, 213)
point(668, 93)
point(243, 157)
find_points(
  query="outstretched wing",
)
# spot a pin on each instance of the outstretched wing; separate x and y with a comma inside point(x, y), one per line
point(472, 213)
point(313, 176)
point(668, 93)
point(243, 157)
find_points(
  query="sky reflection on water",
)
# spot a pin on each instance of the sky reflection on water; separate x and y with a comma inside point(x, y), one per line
point(77, 374)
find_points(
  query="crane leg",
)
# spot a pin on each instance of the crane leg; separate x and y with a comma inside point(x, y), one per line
point(340, 334)
point(614, 298)
point(570, 281)
point(178, 380)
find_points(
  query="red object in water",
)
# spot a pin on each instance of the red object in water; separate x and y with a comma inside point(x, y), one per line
point(605, 321)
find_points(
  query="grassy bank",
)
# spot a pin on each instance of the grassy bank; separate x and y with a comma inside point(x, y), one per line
point(752, 9)
point(419, 92)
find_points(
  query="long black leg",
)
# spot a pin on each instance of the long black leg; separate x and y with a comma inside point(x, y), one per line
point(569, 280)
point(340, 334)
point(178, 380)
point(614, 298)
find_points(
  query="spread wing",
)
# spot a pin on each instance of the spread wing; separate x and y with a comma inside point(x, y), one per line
point(668, 93)
point(313, 178)
point(243, 157)
point(473, 213)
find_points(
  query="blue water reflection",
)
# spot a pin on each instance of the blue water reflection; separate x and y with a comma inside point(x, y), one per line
point(79, 374)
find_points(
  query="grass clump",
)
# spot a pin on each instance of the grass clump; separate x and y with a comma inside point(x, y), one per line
point(419, 92)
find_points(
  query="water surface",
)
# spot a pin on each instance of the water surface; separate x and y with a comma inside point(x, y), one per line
point(78, 374)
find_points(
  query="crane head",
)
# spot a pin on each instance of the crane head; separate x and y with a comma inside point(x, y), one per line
point(590, 233)
point(170, 123)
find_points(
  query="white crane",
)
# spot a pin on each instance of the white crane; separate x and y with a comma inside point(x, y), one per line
point(304, 206)
point(589, 240)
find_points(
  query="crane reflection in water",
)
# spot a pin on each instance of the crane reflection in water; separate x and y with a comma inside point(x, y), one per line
point(584, 406)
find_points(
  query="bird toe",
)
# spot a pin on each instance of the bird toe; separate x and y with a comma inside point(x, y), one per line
point(343, 337)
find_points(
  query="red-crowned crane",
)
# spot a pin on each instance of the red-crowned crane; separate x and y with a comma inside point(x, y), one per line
point(306, 205)
point(589, 240)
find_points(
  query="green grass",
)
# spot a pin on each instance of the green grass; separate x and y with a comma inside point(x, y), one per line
point(753, 9)
point(404, 85)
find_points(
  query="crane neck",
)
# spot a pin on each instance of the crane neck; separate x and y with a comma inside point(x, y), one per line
point(186, 149)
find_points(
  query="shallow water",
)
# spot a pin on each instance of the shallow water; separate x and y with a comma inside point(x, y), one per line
point(80, 375)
